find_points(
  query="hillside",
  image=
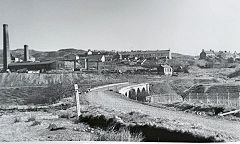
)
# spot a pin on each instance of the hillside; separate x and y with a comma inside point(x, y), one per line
point(182, 56)
point(43, 56)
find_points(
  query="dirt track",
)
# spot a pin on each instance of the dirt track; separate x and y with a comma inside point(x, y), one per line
point(116, 102)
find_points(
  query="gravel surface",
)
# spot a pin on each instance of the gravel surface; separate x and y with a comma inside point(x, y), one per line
point(112, 100)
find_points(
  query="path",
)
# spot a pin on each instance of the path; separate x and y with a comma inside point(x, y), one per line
point(114, 101)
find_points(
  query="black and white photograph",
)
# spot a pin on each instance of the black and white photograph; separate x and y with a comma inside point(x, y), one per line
point(100, 71)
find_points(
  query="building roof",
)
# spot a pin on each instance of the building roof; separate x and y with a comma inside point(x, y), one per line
point(209, 52)
point(225, 54)
point(145, 52)
point(31, 63)
point(166, 66)
point(93, 57)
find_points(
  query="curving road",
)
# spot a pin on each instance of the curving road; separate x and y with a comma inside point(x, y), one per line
point(108, 99)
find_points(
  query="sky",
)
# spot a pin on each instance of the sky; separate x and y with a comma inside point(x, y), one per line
point(183, 26)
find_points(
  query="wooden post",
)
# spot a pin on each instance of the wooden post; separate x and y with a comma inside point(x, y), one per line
point(217, 98)
point(77, 101)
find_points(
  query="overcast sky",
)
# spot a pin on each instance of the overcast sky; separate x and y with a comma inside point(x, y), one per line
point(184, 26)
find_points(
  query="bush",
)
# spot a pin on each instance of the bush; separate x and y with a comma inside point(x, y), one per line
point(17, 119)
point(186, 69)
point(191, 62)
point(230, 60)
point(35, 123)
point(51, 94)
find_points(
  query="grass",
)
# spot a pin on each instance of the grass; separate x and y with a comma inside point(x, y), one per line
point(121, 135)
point(202, 109)
point(35, 123)
point(66, 115)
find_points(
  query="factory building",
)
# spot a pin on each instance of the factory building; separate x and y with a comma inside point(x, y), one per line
point(93, 62)
point(34, 66)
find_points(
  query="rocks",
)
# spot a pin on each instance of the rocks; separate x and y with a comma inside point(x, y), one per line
point(91, 130)
point(118, 119)
point(76, 129)
point(53, 127)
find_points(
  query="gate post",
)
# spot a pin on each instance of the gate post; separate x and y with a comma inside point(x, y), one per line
point(77, 101)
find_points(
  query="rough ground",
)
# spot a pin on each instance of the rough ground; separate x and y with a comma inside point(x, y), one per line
point(56, 122)
point(225, 129)
point(25, 131)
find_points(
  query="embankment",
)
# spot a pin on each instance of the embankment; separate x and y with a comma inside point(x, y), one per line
point(24, 79)
point(153, 130)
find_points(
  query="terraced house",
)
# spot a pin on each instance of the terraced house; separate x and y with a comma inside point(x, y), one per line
point(159, 54)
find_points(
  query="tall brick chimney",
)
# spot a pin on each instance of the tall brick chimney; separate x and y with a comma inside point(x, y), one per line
point(26, 53)
point(6, 51)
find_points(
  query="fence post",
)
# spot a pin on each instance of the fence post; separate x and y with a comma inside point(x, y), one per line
point(217, 98)
point(77, 101)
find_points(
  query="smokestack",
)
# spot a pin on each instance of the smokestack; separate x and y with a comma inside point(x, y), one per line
point(26, 53)
point(6, 52)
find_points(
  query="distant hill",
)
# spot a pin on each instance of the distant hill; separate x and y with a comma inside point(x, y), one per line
point(182, 56)
point(55, 55)
point(43, 56)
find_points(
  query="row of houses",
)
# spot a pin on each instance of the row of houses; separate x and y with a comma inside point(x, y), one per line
point(158, 54)
point(220, 54)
